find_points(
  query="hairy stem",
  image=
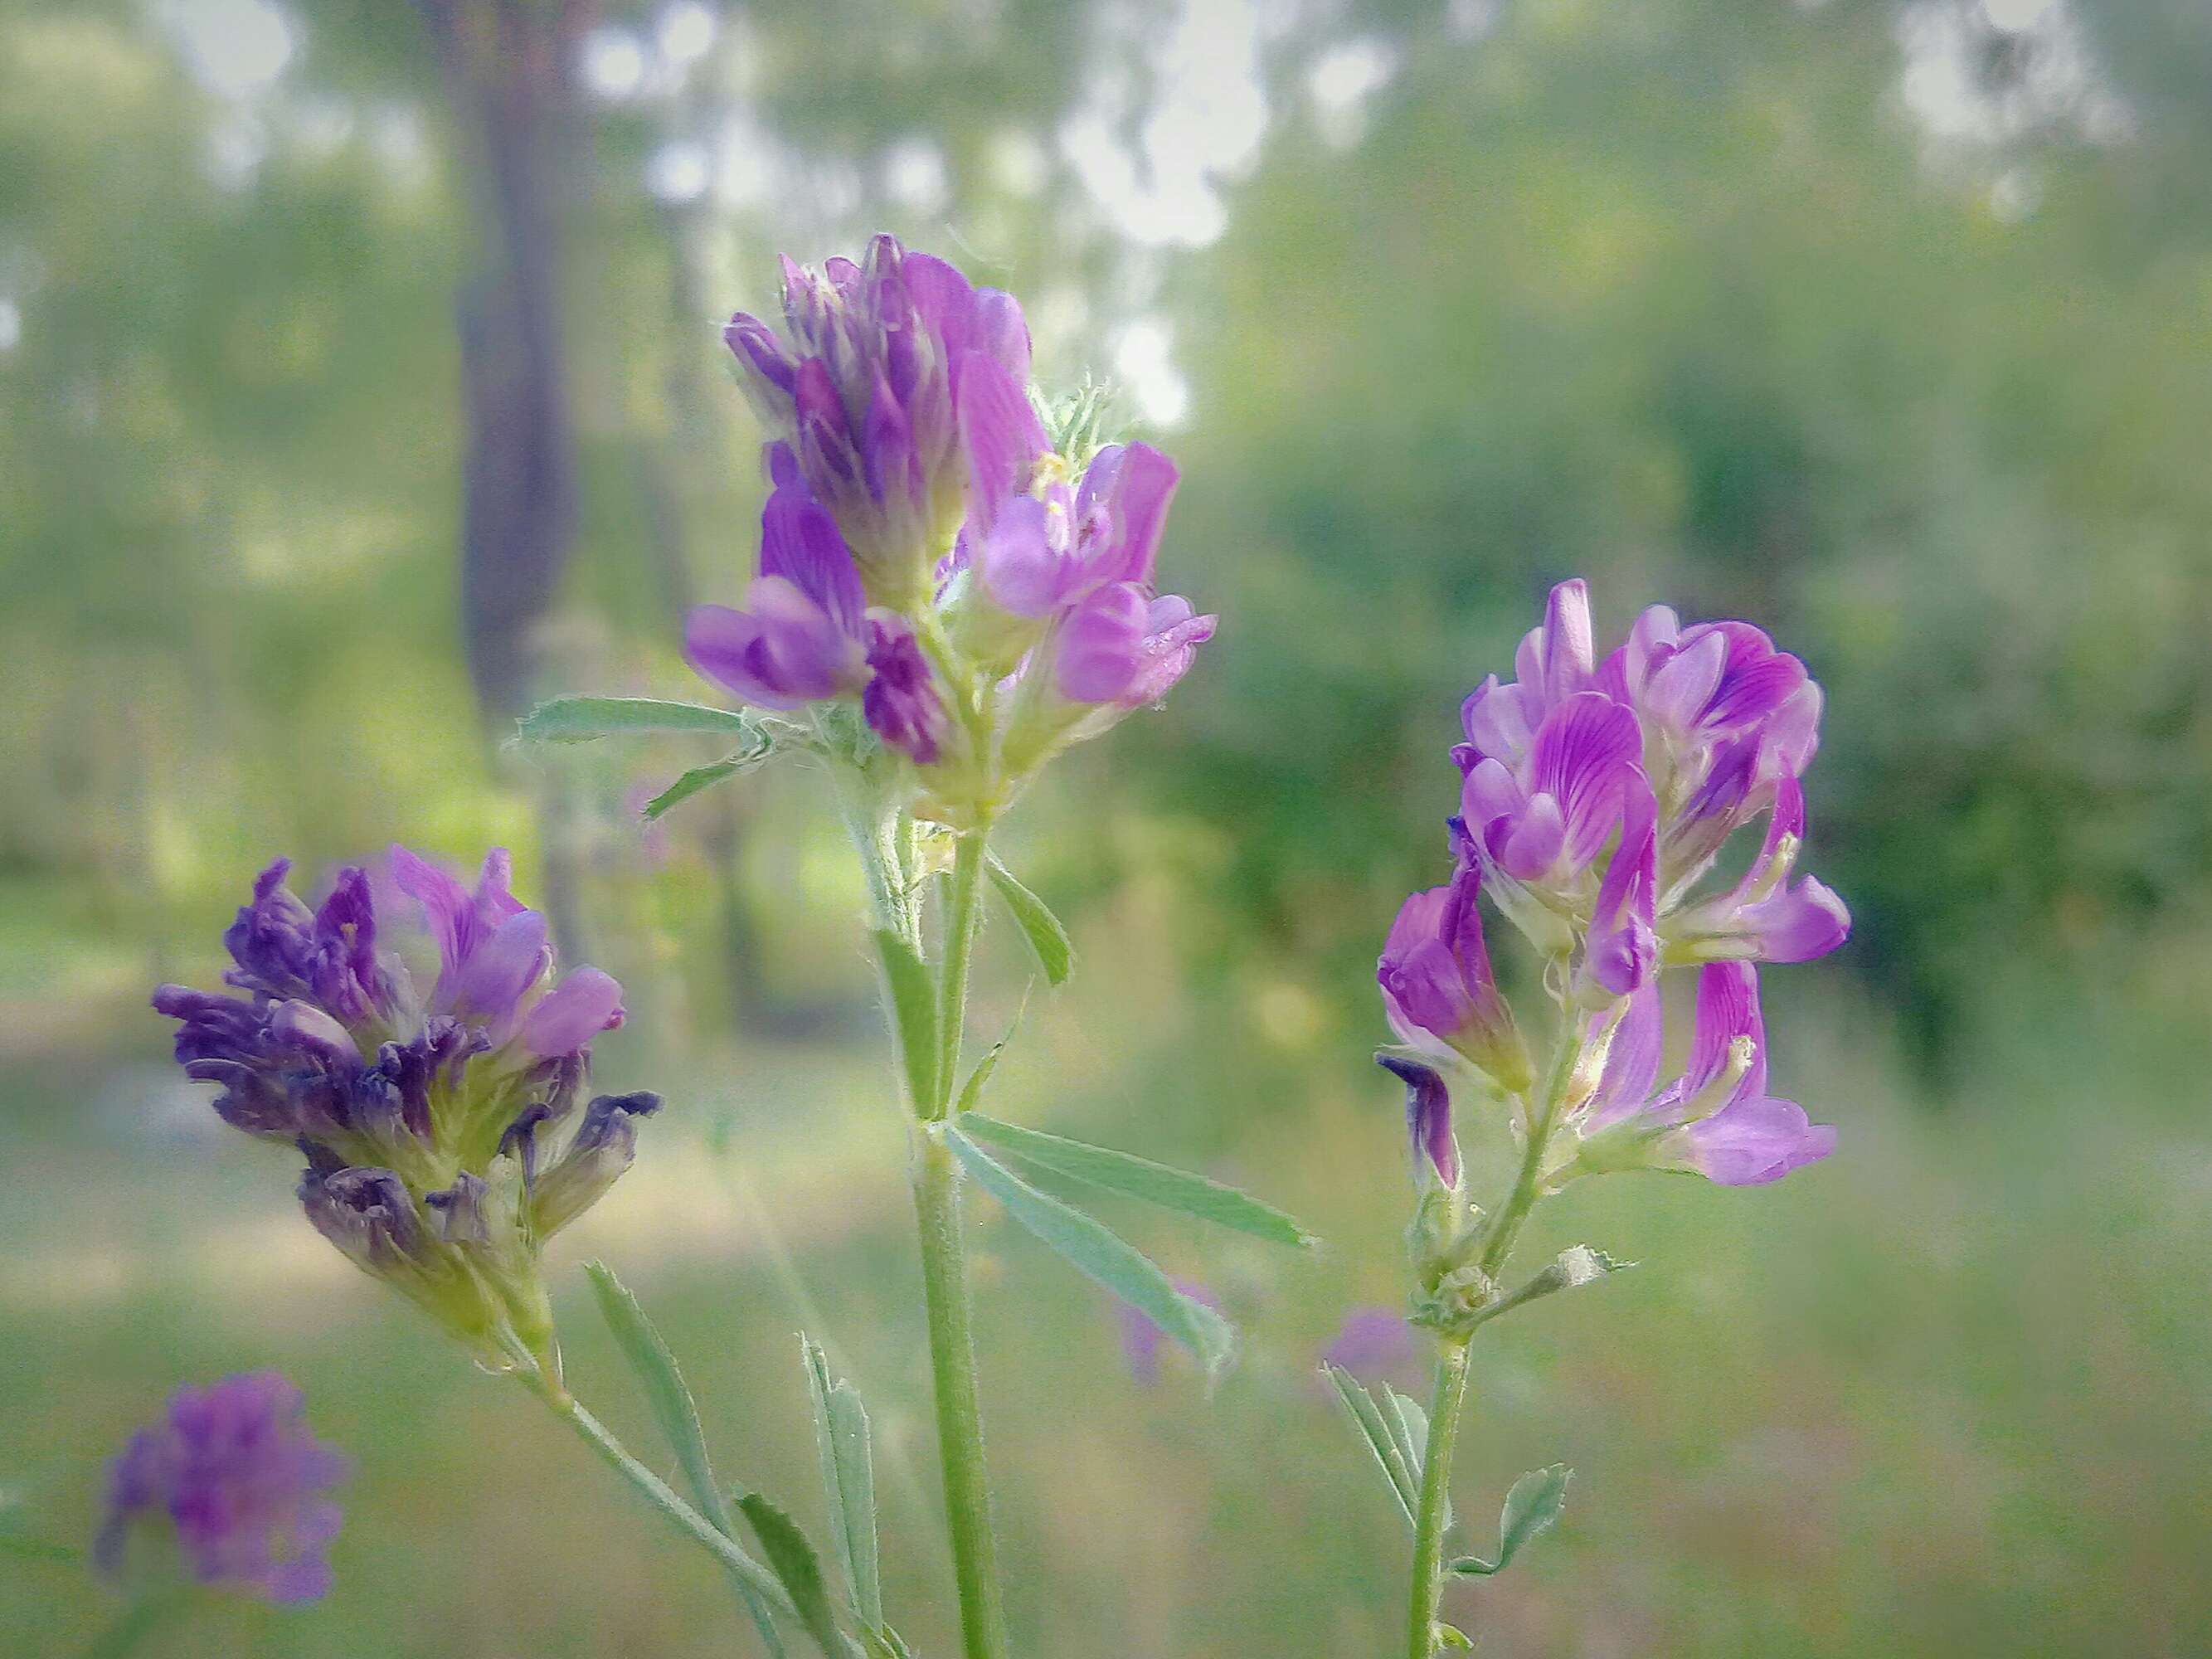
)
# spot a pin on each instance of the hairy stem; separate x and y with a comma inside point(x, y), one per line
point(959, 1412)
point(1444, 1411)
point(937, 1215)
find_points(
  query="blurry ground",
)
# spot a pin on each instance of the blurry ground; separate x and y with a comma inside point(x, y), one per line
point(1945, 1396)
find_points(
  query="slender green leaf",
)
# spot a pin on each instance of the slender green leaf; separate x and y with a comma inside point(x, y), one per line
point(1402, 1476)
point(1530, 1508)
point(1103, 1256)
point(1042, 929)
point(972, 1091)
point(848, 1480)
point(674, 1411)
point(793, 1559)
point(693, 782)
point(914, 1008)
point(1138, 1178)
point(677, 1415)
point(882, 1642)
point(1409, 1430)
point(583, 720)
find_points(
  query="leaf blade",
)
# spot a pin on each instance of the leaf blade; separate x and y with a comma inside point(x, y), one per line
point(848, 1480)
point(667, 1396)
point(675, 1413)
point(1367, 1418)
point(1158, 1184)
point(1102, 1256)
point(914, 1009)
point(796, 1567)
point(1531, 1509)
point(698, 779)
point(1047, 939)
point(586, 720)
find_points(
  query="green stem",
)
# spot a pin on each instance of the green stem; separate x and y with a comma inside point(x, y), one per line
point(960, 918)
point(1444, 1411)
point(750, 1574)
point(959, 1414)
point(1497, 1240)
point(937, 1215)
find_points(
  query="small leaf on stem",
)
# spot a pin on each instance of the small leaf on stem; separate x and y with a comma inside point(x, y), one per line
point(796, 1565)
point(1139, 1178)
point(913, 1011)
point(1102, 1255)
point(1054, 954)
point(585, 719)
point(1530, 1508)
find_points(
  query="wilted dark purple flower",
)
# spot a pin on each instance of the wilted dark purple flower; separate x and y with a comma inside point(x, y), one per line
point(1717, 1119)
point(1141, 1339)
point(1428, 1119)
point(237, 1482)
point(902, 704)
point(1437, 987)
point(405, 1106)
point(863, 386)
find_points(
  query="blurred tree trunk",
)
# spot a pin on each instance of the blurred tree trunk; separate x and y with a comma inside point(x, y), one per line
point(507, 65)
point(506, 70)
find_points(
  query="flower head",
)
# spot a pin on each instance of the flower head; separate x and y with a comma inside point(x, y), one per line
point(1657, 756)
point(236, 1481)
point(426, 1122)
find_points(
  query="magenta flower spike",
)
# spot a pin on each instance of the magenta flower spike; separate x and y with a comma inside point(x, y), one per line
point(929, 552)
point(234, 1479)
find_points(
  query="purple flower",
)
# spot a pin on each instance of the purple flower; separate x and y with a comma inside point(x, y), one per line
point(1622, 949)
point(902, 704)
point(236, 1478)
point(408, 1110)
point(1716, 1120)
point(862, 386)
point(1375, 1344)
point(1141, 1339)
point(1543, 820)
point(1437, 987)
point(1649, 762)
point(1764, 917)
point(1428, 1120)
point(1038, 554)
point(806, 634)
